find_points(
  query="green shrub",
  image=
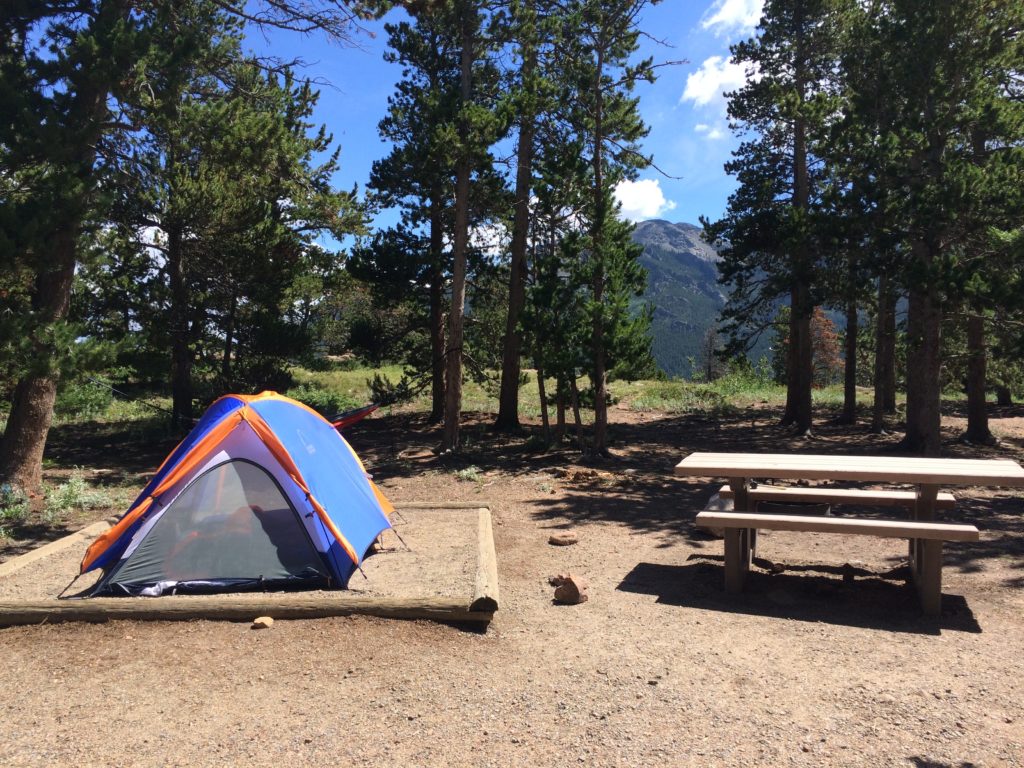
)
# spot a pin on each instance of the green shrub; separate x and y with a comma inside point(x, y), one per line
point(82, 400)
point(469, 474)
point(75, 495)
point(13, 505)
point(327, 402)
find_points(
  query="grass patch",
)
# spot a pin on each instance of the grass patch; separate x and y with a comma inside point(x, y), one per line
point(469, 475)
point(14, 509)
point(74, 495)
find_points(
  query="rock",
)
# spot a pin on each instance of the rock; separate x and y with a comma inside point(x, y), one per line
point(572, 591)
point(717, 504)
point(263, 622)
point(563, 539)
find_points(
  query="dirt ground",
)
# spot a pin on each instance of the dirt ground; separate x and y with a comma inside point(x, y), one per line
point(659, 667)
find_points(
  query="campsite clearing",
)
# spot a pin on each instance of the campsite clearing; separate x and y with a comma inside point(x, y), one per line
point(831, 666)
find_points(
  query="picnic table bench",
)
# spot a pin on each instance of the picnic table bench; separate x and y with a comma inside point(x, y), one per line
point(926, 474)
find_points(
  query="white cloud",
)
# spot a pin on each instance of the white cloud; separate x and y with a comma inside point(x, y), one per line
point(711, 132)
point(728, 17)
point(490, 239)
point(642, 199)
point(716, 75)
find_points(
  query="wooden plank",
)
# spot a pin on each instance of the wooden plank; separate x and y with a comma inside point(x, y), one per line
point(859, 526)
point(897, 469)
point(485, 596)
point(881, 498)
point(443, 505)
point(275, 605)
point(79, 538)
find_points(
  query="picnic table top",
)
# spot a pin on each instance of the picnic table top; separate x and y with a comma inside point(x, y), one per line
point(895, 469)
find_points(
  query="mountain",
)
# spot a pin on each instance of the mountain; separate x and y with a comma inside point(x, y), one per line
point(682, 285)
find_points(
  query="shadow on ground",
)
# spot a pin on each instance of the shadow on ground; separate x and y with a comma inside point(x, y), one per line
point(873, 602)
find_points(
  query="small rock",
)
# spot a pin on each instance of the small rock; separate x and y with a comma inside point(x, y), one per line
point(572, 591)
point(563, 539)
point(263, 622)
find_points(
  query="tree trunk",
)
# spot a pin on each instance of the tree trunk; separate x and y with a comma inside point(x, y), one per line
point(229, 338)
point(789, 414)
point(21, 453)
point(1004, 398)
point(805, 372)
point(599, 374)
point(543, 395)
point(799, 364)
point(181, 348)
point(977, 411)
point(437, 362)
point(560, 413)
point(463, 168)
point(801, 308)
point(849, 415)
point(577, 419)
point(924, 364)
point(508, 401)
point(889, 383)
point(884, 372)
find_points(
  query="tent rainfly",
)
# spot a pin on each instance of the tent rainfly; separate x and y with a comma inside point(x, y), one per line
point(263, 493)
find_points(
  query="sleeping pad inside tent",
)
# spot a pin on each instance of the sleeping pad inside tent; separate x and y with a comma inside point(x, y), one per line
point(264, 493)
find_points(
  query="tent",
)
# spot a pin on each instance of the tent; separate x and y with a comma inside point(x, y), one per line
point(263, 493)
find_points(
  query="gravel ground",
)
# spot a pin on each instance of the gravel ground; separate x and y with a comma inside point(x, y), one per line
point(819, 665)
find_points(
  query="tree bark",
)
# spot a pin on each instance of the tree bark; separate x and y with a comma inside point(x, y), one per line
point(599, 373)
point(977, 410)
point(849, 415)
point(1004, 398)
point(453, 368)
point(577, 419)
point(437, 361)
point(229, 338)
point(801, 307)
point(543, 395)
point(889, 382)
point(181, 348)
point(881, 345)
point(508, 400)
point(924, 314)
point(560, 413)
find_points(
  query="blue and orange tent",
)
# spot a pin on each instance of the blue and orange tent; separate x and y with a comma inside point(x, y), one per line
point(263, 493)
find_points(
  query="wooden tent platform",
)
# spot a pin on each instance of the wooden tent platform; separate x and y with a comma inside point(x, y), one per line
point(450, 576)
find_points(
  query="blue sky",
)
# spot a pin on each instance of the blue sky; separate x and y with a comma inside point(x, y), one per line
point(685, 110)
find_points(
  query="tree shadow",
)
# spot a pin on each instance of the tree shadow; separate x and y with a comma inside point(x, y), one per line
point(873, 602)
point(131, 448)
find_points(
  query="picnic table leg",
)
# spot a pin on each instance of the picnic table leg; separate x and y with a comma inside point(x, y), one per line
point(737, 558)
point(928, 576)
point(924, 511)
point(741, 503)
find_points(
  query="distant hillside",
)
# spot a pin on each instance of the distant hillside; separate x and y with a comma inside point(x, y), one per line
point(682, 284)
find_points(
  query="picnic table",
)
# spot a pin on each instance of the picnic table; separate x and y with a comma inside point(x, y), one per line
point(927, 475)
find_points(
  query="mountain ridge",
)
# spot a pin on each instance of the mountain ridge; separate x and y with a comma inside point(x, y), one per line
point(682, 285)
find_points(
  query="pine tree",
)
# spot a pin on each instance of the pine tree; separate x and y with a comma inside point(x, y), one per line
point(599, 38)
point(947, 161)
point(66, 71)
